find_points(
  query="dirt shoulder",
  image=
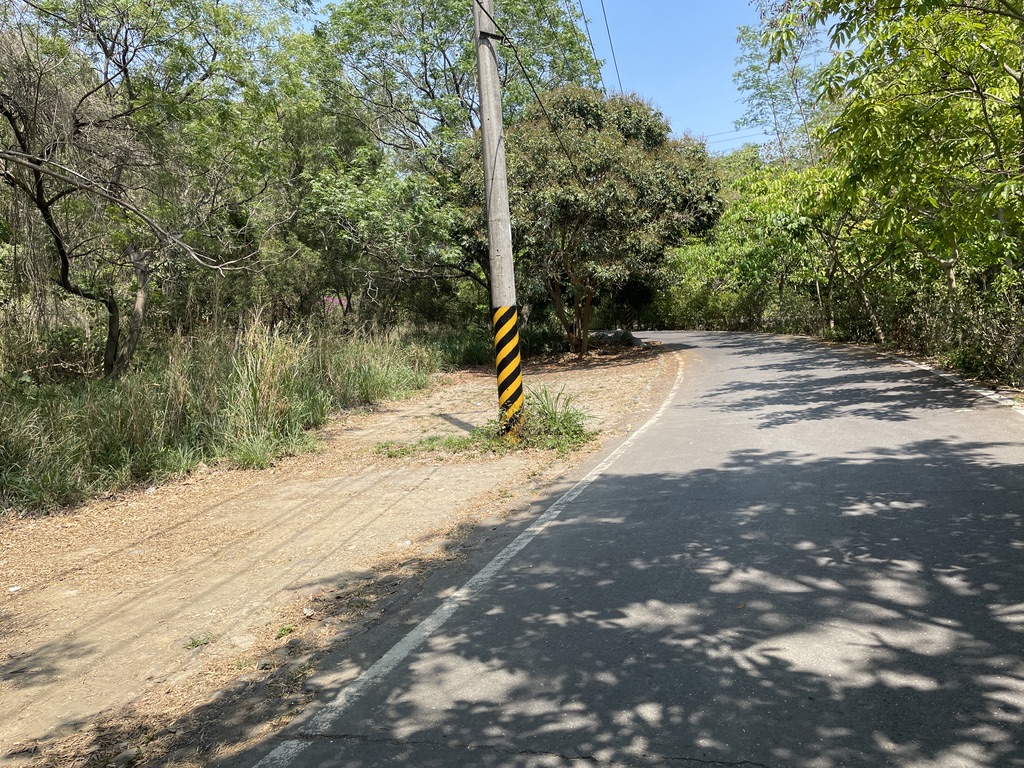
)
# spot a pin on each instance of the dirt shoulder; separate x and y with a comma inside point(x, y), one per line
point(174, 625)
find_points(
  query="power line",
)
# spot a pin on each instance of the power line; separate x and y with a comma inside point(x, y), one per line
point(725, 133)
point(579, 36)
point(611, 45)
point(736, 138)
point(593, 49)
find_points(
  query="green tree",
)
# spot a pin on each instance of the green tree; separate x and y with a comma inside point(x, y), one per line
point(290, 138)
point(406, 71)
point(930, 118)
point(96, 100)
point(779, 96)
point(411, 63)
point(913, 208)
point(759, 267)
point(386, 231)
point(599, 194)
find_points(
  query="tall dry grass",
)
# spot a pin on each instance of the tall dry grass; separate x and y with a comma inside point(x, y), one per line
point(245, 400)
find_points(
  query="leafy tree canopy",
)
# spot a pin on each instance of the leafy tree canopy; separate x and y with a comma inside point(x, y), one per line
point(599, 193)
point(412, 63)
point(101, 105)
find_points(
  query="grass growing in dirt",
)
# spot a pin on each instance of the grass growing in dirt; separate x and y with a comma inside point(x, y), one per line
point(551, 421)
point(284, 630)
point(245, 400)
point(198, 641)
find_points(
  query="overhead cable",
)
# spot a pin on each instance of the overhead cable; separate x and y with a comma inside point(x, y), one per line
point(593, 50)
point(611, 45)
point(529, 81)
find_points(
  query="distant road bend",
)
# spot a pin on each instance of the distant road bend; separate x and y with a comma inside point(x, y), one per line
point(811, 557)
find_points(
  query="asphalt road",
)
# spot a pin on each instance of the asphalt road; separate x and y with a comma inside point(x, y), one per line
point(812, 557)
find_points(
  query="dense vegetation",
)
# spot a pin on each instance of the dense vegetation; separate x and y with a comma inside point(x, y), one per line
point(888, 206)
point(221, 220)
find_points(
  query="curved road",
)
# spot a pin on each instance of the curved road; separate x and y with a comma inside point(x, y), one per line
point(812, 557)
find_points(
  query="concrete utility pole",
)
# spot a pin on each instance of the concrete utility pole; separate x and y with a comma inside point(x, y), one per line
point(499, 226)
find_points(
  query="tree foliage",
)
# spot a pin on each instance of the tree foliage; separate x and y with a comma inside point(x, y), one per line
point(200, 161)
point(95, 101)
point(412, 64)
point(142, 144)
point(902, 223)
point(600, 192)
point(778, 96)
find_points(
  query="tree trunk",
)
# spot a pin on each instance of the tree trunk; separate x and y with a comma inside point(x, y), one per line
point(586, 310)
point(821, 306)
point(875, 324)
point(555, 292)
point(140, 263)
point(44, 206)
point(113, 336)
point(782, 300)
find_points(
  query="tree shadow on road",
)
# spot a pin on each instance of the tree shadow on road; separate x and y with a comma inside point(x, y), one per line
point(775, 609)
point(808, 380)
point(850, 622)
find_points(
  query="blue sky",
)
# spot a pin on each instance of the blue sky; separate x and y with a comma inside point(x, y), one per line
point(680, 55)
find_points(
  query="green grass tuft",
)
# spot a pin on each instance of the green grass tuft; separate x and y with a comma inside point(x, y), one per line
point(550, 422)
point(553, 422)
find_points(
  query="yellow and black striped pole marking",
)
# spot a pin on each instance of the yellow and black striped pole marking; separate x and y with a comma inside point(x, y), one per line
point(510, 369)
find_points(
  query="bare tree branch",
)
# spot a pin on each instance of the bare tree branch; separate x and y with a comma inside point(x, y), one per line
point(80, 182)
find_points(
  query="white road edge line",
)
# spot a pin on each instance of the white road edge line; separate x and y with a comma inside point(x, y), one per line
point(287, 751)
point(986, 393)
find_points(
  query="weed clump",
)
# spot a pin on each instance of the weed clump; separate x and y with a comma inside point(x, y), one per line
point(550, 421)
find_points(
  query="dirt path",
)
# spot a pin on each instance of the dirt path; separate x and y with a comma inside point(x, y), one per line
point(119, 621)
